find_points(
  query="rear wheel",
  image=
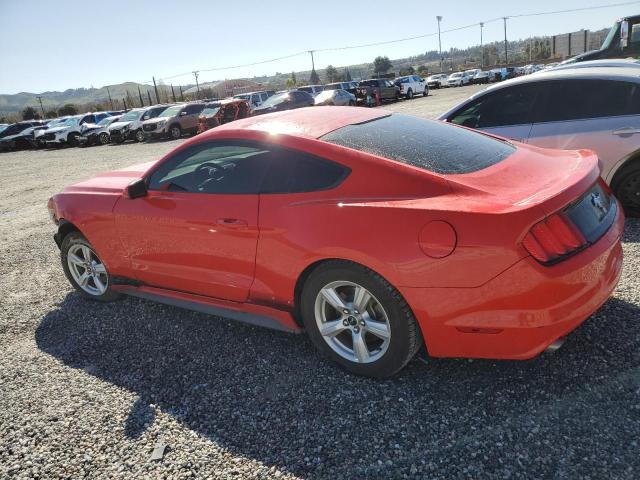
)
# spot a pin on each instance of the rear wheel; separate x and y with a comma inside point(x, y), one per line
point(410, 94)
point(627, 189)
point(359, 320)
point(425, 92)
point(84, 269)
point(352, 103)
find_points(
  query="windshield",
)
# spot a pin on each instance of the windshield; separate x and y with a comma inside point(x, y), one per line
point(106, 121)
point(3, 128)
point(613, 38)
point(210, 111)
point(70, 122)
point(427, 144)
point(171, 111)
point(369, 83)
point(276, 99)
point(131, 116)
point(455, 75)
point(322, 96)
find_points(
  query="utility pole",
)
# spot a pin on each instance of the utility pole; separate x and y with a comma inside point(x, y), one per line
point(439, 18)
point(173, 94)
point(149, 96)
point(181, 95)
point(481, 47)
point(155, 87)
point(110, 100)
point(41, 107)
point(140, 95)
point(506, 58)
point(195, 74)
point(313, 65)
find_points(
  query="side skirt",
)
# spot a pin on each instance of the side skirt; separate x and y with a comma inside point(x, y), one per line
point(259, 315)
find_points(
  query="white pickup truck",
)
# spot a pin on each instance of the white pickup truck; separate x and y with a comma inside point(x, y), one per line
point(411, 85)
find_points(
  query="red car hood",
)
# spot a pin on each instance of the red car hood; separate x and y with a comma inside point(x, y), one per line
point(111, 182)
point(531, 176)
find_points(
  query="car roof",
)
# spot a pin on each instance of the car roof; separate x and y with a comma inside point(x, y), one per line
point(310, 122)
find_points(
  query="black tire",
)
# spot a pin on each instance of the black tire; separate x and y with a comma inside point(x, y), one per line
point(398, 96)
point(626, 186)
point(73, 239)
point(103, 138)
point(409, 94)
point(175, 132)
point(352, 103)
point(139, 136)
point(405, 338)
point(72, 139)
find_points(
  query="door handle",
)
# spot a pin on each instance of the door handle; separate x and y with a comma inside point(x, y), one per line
point(232, 222)
point(626, 131)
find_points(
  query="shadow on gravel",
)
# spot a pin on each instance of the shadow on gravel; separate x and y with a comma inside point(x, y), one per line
point(269, 396)
point(631, 231)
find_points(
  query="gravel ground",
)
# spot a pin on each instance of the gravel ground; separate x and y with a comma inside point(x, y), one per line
point(88, 390)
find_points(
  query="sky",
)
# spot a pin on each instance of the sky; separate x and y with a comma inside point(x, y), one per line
point(60, 44)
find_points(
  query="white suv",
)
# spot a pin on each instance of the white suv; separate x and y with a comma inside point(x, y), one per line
point(68, 131)
point(458, 79)
point(411, 85)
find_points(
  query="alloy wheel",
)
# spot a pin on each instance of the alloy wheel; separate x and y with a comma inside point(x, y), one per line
point(175, 132)
point(87, 270)
point(104, 138)
point(352, 322)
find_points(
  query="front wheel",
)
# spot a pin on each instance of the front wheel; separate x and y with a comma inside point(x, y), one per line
point(103, 138)
point(84, 269)
point(72, 139)
point(175, 131)
point(410, 94)
point(359, 320)
point(139, 136)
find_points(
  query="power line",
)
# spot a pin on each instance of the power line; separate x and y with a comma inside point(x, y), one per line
point(404, 39)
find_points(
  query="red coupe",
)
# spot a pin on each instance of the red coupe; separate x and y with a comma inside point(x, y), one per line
point(375, 232)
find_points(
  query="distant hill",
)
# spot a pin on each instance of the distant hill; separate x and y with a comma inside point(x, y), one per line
point(84, 98)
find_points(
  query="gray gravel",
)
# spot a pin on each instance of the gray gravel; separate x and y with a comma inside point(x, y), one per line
point(88, 390)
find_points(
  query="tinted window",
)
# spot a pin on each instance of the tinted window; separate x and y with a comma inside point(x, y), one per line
point(296, 172)
point(215, 168)
point(191, 109)
point(430, 145)
point(507, 106)
point(581, 99)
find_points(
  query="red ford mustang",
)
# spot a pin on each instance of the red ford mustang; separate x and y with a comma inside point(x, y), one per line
point(375, 232)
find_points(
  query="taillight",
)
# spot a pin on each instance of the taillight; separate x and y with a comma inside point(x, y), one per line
point(553, 238)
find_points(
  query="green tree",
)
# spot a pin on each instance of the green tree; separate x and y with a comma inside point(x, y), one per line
point(289, 83)
point(423, 70)
point(293, 78)
point(314, 78)
point(331, 73)
point(346, 75)
point(381, 65)
point(29, 113)
point(51, 114)
point(407, 71)
point(67, 109)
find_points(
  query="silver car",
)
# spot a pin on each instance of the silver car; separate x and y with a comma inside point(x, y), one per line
point(335, 97)
point(590, 108)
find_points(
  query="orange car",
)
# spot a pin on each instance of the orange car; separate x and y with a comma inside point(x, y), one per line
point(221, 112)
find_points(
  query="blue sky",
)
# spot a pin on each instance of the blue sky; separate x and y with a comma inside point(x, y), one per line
point(55, 45)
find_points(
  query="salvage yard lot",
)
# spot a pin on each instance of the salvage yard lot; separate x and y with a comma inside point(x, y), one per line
point(88, 389)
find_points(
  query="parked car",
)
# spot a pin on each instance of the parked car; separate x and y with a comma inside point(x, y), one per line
point(458, 79)
point(174, 122)
point(350, 86)
point(97, 133)
point(39, 141)
point(16, 128)
point(384, 89)
point(256, 99)
point(497, 75)
point(437, 80)
point(377, 233)
point(609, 62)
point(411, 85)
point(218, 113)
point(68, 131)
point(313, 90)
point(337, 97)
point(472, 72)
point(481, 77)
point(285, 101)
point(586, 108)
point(129, 125)
point(20, 141)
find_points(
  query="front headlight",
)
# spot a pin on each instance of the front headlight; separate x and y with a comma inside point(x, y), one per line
point(161, 123)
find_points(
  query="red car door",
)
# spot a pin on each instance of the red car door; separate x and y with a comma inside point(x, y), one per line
point(196, 230)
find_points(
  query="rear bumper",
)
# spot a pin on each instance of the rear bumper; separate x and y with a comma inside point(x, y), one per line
point(519, 313)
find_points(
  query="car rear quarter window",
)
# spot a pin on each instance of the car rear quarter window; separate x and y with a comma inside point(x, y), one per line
point(430, 145)
point(584, 99)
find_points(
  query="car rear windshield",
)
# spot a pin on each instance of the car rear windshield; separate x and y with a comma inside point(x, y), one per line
point(427, 144)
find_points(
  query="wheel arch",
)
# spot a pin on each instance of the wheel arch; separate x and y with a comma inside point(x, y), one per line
point(308, 271)
point(65, 228)
point(618, 170)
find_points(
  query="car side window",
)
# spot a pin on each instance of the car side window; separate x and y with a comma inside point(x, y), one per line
point(298, 172)
point(213, 168)
point(193, 109)
point(507, 106)
point(565, 100)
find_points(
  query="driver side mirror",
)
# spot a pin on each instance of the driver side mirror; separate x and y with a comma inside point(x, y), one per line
point(624, 34)
point(183, 113)
point(136, 189)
